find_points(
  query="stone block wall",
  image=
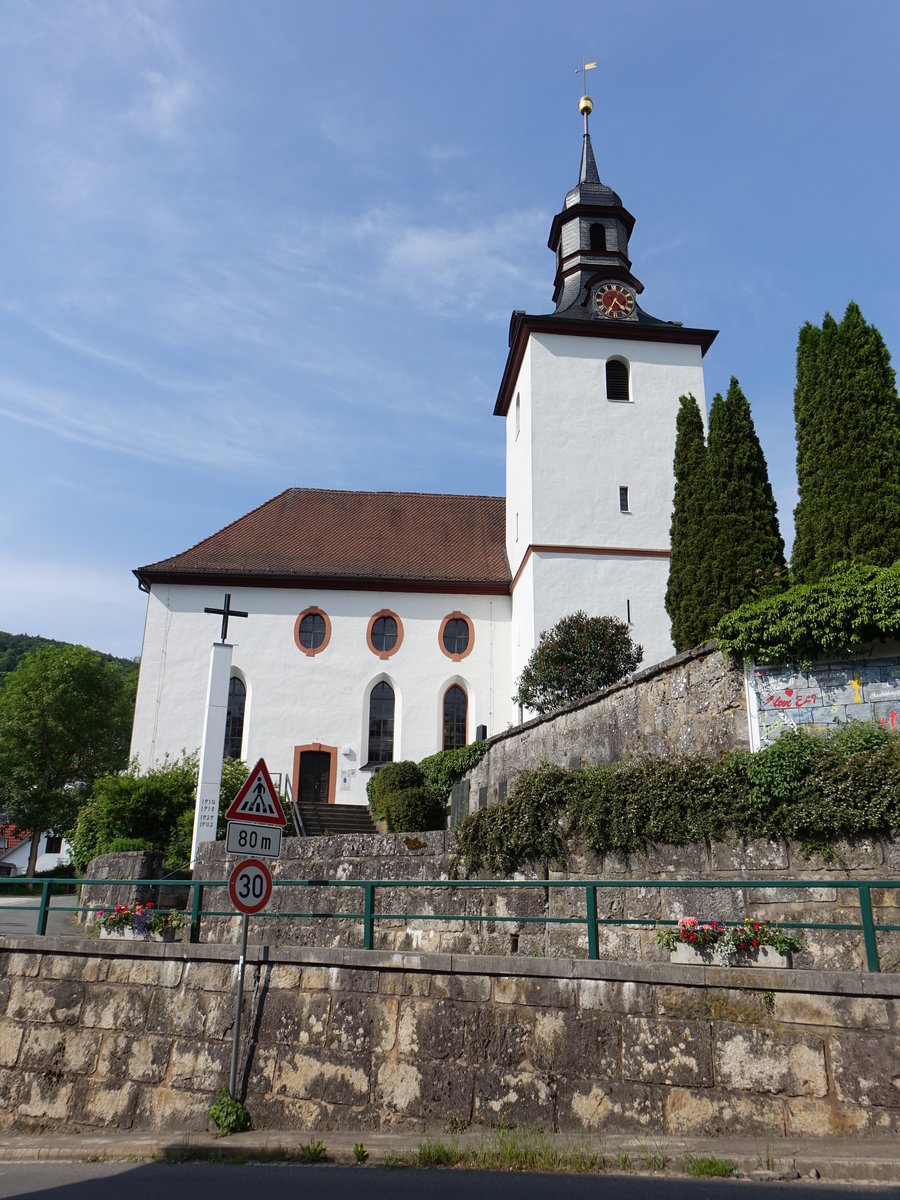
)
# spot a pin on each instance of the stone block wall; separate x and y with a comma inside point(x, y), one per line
point(480, 920)
point(134, 864)
point(125, 1036)
point(691, 703)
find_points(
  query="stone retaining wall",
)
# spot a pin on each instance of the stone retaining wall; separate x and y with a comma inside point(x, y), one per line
point(691, 703)
point(466, 920)
point(100, 1035)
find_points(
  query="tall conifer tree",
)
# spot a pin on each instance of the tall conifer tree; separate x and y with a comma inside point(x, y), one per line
point(725, 543)
point(685, 603)
point(746, 550)
point(847, 418)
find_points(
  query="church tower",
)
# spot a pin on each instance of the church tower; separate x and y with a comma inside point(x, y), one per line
point(590, 393)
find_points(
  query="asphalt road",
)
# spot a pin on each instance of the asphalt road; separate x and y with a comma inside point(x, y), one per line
point(223, 1181)
point(18, 914)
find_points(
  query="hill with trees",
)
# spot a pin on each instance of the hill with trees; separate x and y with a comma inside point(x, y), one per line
point(14, 647)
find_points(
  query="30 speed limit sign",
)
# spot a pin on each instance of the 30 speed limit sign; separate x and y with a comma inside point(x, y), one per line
point(250, 886)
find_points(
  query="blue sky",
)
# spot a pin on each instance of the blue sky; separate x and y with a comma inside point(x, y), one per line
point(246, 246)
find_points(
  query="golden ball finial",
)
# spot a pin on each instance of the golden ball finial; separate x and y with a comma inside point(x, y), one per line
point(585, 105)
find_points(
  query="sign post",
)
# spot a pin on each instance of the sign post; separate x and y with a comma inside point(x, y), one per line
point(255, 818)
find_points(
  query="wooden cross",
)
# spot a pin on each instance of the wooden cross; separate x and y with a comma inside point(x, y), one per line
point(226, 611)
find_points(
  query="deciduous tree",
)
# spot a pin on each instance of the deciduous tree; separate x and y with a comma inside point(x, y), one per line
point(65, 718)
point(578, 656)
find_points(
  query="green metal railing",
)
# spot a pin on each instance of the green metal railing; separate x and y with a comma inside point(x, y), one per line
point(369, 915)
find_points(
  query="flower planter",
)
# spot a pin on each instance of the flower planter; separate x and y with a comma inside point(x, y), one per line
point(763, 956)
point(131, 935)
point(687, 955)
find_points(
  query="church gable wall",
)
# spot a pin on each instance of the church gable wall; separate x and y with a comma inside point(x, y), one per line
point(297, 699)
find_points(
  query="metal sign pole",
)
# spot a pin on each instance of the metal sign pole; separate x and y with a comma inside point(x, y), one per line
point(237, 1008)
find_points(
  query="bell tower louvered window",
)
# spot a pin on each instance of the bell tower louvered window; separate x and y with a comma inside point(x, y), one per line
point(598, 239)
point(617, 380)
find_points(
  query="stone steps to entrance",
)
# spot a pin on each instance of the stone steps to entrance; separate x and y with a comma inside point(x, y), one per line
point(319, 820)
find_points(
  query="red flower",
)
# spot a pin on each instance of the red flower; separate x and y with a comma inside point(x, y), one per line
point(756, 942)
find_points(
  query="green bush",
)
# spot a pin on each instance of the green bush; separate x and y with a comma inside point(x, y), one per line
point(812, 787)
point(178, 853)
point(392, 777)
point(436, 774)
point(153, 812)
point(440, 771)
point(144, 808)
point(228, 1115)
point(413, 810)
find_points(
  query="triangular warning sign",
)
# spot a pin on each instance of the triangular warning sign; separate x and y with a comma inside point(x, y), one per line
point(257, 802)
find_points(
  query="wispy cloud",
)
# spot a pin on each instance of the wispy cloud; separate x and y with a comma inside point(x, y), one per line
point(163, 105)
point(453, 271)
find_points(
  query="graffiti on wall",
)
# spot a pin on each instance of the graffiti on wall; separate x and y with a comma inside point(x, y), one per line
point(829, 693)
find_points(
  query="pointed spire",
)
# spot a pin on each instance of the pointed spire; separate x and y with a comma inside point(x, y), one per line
point(589, 172)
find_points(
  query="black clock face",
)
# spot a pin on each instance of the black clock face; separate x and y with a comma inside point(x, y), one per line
point(614, 300)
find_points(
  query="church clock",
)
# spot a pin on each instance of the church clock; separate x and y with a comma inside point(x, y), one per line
point(614, 300)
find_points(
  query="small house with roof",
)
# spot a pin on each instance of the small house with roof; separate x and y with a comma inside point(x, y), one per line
point(390, 625)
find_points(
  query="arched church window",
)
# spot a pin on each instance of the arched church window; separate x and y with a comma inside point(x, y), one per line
point(381, 724)
point(598, 239)
point(456, 705)
point(616, 379)
point(234, 717)
point(312, 631)
point(456, 637)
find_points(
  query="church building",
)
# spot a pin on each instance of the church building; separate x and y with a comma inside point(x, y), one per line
point(390, 625)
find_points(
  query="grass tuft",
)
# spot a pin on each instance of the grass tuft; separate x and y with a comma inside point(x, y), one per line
point(441, 1154)
point(709, 1167)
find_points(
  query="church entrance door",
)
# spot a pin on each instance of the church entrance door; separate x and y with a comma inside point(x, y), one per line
point(315, 777)
point(315, 773)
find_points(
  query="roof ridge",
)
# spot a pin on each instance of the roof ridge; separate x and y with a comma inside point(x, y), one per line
point(388, 492)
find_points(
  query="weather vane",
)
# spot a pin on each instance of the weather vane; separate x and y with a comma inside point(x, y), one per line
point(584, 104)
point(583, 70)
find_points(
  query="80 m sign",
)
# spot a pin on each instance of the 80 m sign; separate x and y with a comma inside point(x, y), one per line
point(242, 837)
point(250, 886)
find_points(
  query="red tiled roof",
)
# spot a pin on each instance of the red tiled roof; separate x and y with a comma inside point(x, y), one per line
point(14, 835)
point(353, 539)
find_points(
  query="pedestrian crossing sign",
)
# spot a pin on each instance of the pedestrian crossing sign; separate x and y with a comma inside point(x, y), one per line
point(257, 802)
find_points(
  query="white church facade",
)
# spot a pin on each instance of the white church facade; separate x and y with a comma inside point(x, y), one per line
point(389, 625)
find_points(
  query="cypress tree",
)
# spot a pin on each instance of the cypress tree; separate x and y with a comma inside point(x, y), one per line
point(744, 543)
point(847, 418)
point(685, 603)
